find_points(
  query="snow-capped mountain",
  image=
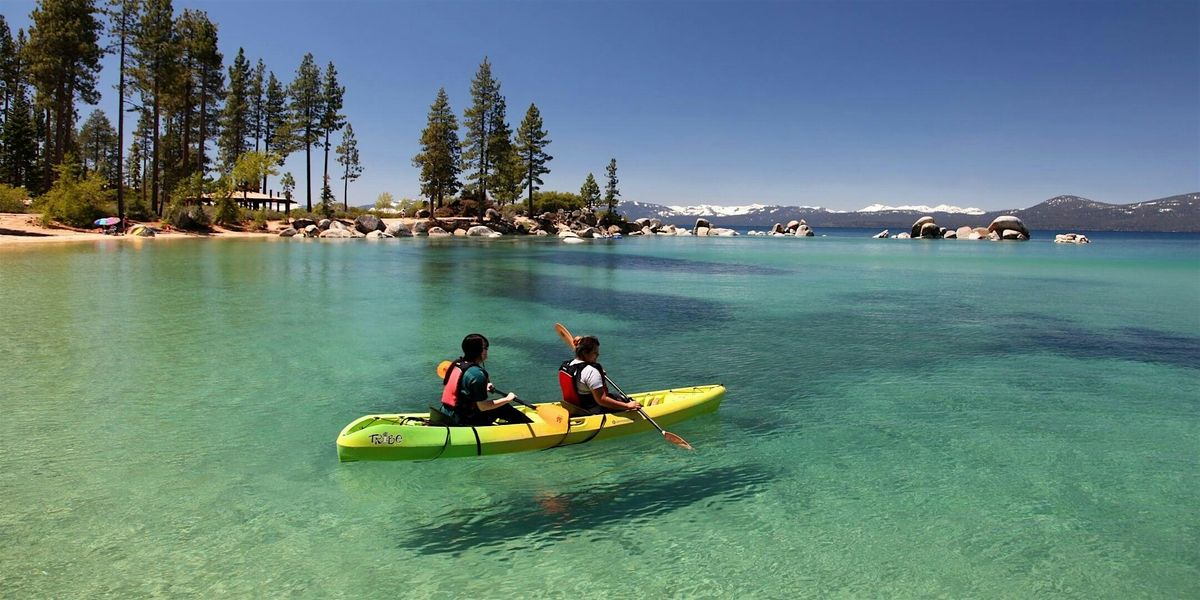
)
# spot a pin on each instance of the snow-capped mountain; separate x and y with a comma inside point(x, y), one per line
point(1175, 213)
point(941, 208)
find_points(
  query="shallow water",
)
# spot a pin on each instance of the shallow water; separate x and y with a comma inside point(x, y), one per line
point(903, 419)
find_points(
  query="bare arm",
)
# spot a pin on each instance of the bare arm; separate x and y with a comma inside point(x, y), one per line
point(604, 399)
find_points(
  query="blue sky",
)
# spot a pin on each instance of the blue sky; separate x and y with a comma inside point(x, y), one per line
point(835, 104)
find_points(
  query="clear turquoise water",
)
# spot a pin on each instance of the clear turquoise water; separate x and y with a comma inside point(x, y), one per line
point(904, 419)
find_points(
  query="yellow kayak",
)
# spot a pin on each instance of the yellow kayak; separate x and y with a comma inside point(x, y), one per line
point(410, 437)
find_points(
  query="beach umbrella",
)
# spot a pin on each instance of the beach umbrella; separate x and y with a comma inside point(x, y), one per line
point(107, 221)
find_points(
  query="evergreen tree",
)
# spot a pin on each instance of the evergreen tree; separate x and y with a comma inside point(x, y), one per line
point(504, 181)
point(98, 146)
point(611, 193)
point(306, 112)
point(332, 118)
point(8, 58)
point(201, 83)
point(18, 140)
point(440, 153)
point(590, 192)
point(63, 60)
point(479, 121)
point(236, 116)
point(347, 153)
point(123, 16)
point(531, 146)
point(275, 118)
point(156, 58)
point(288, 184)
point(133, 167)
point(257, 102)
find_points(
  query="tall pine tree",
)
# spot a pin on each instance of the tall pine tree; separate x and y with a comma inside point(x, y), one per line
point(123, 16)
point(611, 193)
point(348, 157)
point(332, 118)
point(275, 118)
point(235, 118)
point(440, 153)
point(63, 60)
point(18, 140)
point(480, 121)
point(531, 146)
point(306, 111)
point(156, 58)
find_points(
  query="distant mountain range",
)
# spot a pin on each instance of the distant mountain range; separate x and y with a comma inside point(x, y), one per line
point(1176, 213)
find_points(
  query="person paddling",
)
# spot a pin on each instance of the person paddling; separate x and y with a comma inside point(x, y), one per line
point(465, 390)
point(585, 384)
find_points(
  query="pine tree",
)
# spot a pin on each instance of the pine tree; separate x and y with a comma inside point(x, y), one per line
point(611, 193)
point(531, 146)
point(156, 57)
point(332, 118)
point(18, 141)
point(590, 192)
point(98, 146)
point(257, 102)
point(123, 16)
point(348, 157)
point(306, 112)
point(479, 121)
point(236, 116)
point(63, 60)
point(275, 118)
point(504, 181)
point(288, 185)
point(8, 58)
point(440, 153)
point(209, 81)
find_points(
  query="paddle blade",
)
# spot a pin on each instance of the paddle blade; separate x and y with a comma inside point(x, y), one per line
point(565, 335)
point(678, 441)
point(442, 368)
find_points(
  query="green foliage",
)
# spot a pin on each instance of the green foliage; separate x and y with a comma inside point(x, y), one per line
point(307, 109)
point(531, 146)
point(611, 218)
point(590, 191)
point(480, 122)
point(235, 119)
point(551, 201)
point(439, 159)
point(347, 156)
point(409, 207)
point(611, 193)
point(385, 200)
point(249, 169)
point(227, 211)
point(326, 206)
point(187, 217)
point(75, 200)
point(260, 220)
point(12, 199)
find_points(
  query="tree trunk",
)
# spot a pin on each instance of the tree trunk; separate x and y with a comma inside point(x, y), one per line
point(155, 205)
point(346, 188)
point(308, 166)
point(121, 130)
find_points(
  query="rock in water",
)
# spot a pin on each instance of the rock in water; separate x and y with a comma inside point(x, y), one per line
point(1008, 223)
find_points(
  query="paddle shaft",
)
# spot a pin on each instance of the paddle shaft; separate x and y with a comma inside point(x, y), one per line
point(642, 412)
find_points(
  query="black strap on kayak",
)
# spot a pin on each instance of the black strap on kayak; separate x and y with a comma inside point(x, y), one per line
point(603, 418)
point(445, 445)
point(564, 437)
point(478, 446)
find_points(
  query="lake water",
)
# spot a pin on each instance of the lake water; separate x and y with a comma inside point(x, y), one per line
point(903, 419)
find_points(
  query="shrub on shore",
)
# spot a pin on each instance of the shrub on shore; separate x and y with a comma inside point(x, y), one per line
point(75, 200)
point(12, 199)
point(187, 217)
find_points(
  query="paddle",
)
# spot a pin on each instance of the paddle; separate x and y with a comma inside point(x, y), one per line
point(667, 435)
point(551, 414)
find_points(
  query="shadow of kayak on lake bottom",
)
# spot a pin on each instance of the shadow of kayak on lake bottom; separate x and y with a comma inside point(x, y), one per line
point(527, 522)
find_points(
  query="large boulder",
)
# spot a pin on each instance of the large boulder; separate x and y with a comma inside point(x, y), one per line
point(289, 232)
point(803, 230)
point(420, 227)
point(903, 235)
point(929, 231)
point(375, 235)
point(950, 234)
point(423, 213)
point(701, 222)
point(460, 232)
point(963, 233)
point(398, 229)
point(1013, 234)
point(369, 223)
point(1071, 238)
point(335, 233)
point(323, 224)
point(567, 233)
point(438, 232)
point(1008, 223)
point(919, 224)
point(311, 230)
point(723, 232)
point(776, 229)
point(491, 215)
point(588, 232)
point(338, 225)
point(642, 223)
point(481, 231)
point(699, 231)
point(882, 235)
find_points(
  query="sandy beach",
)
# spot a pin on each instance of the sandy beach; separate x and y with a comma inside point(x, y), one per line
point(26, 228)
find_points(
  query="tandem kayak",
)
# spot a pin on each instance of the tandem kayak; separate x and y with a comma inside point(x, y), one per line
point(411, 437)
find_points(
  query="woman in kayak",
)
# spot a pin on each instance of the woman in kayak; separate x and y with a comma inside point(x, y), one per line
point(465, 390)
point(585, 384)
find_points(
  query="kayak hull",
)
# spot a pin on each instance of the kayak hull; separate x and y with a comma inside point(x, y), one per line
point(409, 437)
